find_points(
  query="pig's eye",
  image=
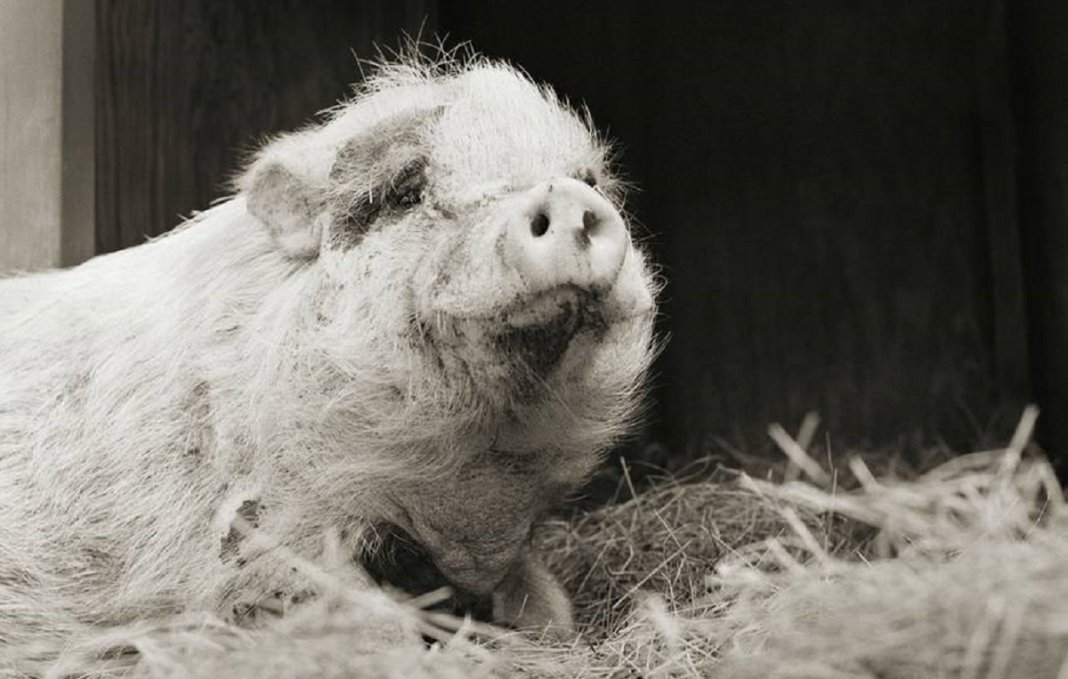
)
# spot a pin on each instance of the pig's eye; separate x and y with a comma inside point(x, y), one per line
point(589, 178)
point(406, 190)
point(410, 198)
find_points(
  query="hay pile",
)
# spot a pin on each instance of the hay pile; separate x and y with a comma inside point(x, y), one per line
point(961, 572)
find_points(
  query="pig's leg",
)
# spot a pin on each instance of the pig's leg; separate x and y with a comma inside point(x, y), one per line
point(531, 598)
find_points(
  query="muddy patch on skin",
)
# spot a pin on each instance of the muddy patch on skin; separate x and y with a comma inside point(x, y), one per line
point(539, 347)
point(538, 333)
point(512, 353)
point(230, 545)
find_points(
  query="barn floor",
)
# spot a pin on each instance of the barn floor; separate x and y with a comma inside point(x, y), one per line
point(959, 572)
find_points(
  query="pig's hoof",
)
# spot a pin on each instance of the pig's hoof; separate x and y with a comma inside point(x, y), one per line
point(531, 599)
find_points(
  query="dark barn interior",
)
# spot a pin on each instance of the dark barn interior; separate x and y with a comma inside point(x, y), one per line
point(858, 205)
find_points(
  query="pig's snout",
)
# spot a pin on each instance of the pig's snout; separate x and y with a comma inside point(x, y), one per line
point(565, 233)
point(539, 268)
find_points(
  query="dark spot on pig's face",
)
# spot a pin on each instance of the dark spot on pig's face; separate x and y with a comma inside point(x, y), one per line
point(536, 348)
point(539, 347)
point(379, 175)
point(391, 198)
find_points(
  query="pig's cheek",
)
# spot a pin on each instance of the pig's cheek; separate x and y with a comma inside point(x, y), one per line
point(622, 355)
point(465, 276)
point(462, 349)
point(433, 272)
point(632, 294)
point(341, 267)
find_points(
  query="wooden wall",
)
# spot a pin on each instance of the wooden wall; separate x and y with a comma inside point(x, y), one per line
point(817, 183)
point(186, 88)
point(830, 188)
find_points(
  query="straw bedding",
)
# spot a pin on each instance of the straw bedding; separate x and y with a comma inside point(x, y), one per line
point(959, 572)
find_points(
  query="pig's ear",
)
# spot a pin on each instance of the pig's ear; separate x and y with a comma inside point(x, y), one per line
point(288, 207)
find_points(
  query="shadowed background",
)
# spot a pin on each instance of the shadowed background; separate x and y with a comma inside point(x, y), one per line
point(858, 205)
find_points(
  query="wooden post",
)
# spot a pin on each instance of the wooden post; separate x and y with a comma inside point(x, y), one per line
point(30, 134)
point(998, 145)
point(46, 133)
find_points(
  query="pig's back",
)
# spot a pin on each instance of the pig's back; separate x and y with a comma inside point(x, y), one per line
point(152, 300)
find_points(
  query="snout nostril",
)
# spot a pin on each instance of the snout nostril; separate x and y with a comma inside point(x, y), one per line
point(589, 221)
point(539, 225)
point(573, 236)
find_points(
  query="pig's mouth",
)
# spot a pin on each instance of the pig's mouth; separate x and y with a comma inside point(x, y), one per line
point(513, 349)
point(539, 328)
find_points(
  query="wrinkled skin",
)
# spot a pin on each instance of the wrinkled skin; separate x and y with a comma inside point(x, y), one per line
point(355, 341)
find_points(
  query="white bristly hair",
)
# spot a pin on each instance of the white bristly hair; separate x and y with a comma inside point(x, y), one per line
point(276, 358)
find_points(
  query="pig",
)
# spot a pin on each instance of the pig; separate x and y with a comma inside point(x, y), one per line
point(418, 323)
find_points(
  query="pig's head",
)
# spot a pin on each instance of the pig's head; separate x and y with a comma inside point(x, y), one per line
point(477, 320)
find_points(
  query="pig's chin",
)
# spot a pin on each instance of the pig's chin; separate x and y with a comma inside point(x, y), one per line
point(535, 332)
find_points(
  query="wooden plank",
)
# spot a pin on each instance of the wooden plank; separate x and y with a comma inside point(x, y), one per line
point(185, 88)
point(78, 214)
point(30, 133)
point(998, 147)
point(1039, 59)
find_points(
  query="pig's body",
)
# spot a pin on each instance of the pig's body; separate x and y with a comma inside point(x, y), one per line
point(308, 357)
point(111, 452)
